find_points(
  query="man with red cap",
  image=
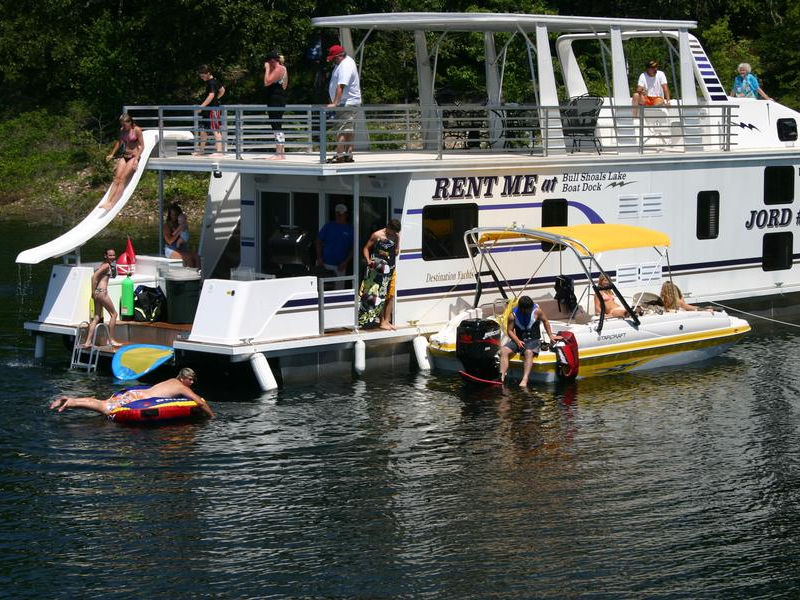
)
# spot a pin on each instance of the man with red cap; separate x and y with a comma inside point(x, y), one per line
point(345, 92)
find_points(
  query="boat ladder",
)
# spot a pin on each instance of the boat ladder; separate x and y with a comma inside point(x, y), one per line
point(77, 361)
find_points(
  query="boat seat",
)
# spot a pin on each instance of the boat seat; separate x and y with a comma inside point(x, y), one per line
point(550, 307)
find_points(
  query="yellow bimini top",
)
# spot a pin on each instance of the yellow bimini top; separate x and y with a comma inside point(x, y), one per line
point(585, 239)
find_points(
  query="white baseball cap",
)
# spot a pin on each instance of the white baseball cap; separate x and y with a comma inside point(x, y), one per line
point(340, 208)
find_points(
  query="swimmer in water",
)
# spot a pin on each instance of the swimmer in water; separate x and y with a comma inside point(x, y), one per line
point(171, 388)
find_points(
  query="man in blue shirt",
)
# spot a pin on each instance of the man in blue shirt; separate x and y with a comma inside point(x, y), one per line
point(335, 244)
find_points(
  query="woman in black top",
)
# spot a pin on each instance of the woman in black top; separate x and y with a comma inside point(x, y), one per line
point(275, 81)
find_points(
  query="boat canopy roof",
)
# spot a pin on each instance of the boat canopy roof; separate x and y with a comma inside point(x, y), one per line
point(510, 22)
point(585, 239)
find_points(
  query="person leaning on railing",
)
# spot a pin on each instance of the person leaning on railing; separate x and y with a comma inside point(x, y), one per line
point(745, 84)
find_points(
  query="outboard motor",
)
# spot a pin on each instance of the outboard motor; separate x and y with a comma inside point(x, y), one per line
point(478, 347)
point(566, 351)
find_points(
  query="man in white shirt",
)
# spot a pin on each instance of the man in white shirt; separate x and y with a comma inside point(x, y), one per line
point(652, 88)
point(344, 91)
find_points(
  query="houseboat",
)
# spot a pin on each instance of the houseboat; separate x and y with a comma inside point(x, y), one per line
point(717, 175)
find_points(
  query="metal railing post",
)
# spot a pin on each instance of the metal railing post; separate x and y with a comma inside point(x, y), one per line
point(642, 110)
point(321, 304)
point(546, 132)
point(160, 132)
point(310, 129)
point(196, 128)
point(238, 126)
point(323, 135)
point(726, 120)
point(441, 133)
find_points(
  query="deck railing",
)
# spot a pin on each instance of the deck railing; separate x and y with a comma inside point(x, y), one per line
point(247, 130)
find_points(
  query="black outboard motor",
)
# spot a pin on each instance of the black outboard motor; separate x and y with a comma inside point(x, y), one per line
point(478, 347)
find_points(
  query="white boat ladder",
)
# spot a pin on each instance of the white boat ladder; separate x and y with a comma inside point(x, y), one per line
point(77, 361)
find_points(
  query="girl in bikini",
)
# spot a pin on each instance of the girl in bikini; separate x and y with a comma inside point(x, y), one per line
point(612, 307)
point(127, 150)
point(102, 274)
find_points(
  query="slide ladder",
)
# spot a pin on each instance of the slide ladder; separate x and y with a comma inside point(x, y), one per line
point(708, 80)
point(99, 218)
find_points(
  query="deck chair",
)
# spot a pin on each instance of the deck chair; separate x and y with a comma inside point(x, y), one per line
point(579, 120)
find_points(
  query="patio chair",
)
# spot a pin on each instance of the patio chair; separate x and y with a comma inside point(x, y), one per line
point(579, 120)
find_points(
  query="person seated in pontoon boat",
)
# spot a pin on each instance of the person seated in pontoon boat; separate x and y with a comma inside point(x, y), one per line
point(612, 307)
point(171, 388)
point(672, 298)
point(524, 330)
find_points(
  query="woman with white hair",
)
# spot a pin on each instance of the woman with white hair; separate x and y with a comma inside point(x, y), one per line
point(745, 85)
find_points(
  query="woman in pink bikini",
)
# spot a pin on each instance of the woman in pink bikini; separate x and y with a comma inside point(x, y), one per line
point(127, 150)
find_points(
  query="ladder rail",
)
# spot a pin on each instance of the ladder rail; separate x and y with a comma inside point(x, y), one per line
point(78, 347)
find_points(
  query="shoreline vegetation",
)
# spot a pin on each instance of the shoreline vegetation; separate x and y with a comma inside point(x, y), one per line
point(53, 171)
point(63, 87)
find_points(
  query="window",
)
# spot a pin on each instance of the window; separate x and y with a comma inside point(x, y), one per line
point(443, 230)
point(280, 212)
point(778, 185)
point(787, 130)
point(554, 214)
point(777, 251)
point(707, 215)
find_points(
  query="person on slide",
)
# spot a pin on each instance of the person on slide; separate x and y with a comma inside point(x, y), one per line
point(127, 150)
point(171, 388)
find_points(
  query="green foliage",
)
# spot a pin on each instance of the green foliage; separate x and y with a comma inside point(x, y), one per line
point(108, 54)
point(781, 58)
point(37, 148)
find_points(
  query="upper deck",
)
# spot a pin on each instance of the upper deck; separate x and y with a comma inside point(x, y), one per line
point(555, 119)
point(404, 138)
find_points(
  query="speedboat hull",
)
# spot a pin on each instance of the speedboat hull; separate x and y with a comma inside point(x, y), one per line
point(665, 340)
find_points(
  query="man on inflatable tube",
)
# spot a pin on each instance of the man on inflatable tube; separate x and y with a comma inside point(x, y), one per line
point(171, 388)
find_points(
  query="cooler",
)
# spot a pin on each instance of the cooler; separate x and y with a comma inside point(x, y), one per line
point(183, 294)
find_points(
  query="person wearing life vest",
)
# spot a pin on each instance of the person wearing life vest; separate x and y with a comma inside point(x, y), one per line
point(524, 331)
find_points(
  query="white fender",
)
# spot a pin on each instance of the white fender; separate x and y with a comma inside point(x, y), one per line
point(421, 353)
point(38, 347)
point(266, 380)
point(359, 356)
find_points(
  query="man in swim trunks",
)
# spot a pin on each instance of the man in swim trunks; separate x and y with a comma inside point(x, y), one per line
point(102, 274)
point(214, 91)
point(652, 88)
point(171, 388)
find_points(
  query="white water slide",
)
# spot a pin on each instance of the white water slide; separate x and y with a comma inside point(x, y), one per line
point(97, 220)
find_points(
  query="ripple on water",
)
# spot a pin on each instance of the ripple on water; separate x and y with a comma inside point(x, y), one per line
point(644, 485)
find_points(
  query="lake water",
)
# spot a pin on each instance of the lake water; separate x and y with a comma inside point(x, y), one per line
point(679, 484)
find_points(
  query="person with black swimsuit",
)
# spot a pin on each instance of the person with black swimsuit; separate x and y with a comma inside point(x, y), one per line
point(275, 82)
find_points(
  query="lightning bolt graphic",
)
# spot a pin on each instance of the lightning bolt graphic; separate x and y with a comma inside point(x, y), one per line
point(745, 125)
point(619, 183)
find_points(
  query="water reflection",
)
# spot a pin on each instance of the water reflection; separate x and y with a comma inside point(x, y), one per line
point(640, 485)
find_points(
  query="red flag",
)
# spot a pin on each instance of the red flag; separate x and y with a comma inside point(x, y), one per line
point(127, 260)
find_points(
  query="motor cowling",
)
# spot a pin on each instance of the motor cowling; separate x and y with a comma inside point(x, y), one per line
point(566, 351)
point(478, 347)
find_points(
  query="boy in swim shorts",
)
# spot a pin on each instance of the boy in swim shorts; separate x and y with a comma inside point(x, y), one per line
point(171, 388)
